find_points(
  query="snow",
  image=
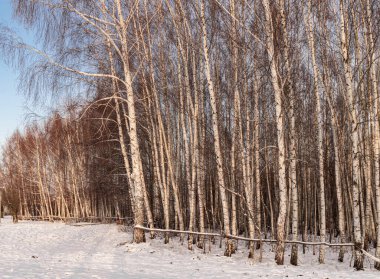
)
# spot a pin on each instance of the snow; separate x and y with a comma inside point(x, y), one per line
point(32, 249)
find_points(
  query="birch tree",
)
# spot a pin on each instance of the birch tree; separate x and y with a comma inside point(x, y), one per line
point(280, 133)
point(351, 103)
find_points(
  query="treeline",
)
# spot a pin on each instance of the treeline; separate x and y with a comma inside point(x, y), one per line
point(64, 168)
point(251, 117)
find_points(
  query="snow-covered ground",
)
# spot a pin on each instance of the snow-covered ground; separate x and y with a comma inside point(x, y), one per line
point(55, 250)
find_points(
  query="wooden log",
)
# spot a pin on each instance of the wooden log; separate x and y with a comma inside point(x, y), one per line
point(249, 239)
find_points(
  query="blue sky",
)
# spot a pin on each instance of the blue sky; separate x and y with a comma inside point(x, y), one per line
point(13, 105)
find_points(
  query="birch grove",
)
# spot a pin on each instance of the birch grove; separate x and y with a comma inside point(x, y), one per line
point(247, 119)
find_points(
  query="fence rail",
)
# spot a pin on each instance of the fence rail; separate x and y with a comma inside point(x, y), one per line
point(246, 238)
point(48, 218)
point(260, 240)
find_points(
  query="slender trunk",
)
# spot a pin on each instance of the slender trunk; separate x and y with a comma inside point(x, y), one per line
point(137, 178)
point(358, 263)
point(215, 127)
point(280, 134)
point(376, 126)
point(319, 119)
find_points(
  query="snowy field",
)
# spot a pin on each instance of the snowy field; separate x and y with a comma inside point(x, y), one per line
point(55, 250)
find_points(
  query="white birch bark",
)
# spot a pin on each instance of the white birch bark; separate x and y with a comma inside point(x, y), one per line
point(376, 127)
point(215, 127)
point(137, 177)
point(257, 154)
point(280, 134)
point(319, 119)
point(292, 144)
point(238, 132)
point(358, 263)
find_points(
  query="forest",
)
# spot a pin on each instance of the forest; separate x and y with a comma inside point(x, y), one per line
point(252, 119)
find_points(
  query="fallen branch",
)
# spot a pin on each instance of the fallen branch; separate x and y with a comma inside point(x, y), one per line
point(248, 239)
point(176, 231)
point(70, 218)
point(370, 256)
point(83, 224)
point(291, 241)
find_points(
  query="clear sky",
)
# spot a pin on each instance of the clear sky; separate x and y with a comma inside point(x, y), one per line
point(13, 105)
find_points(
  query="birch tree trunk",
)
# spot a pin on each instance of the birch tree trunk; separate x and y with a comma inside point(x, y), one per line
point(338, 182)
point(319, 119)
point(292, 147)
point(257, 156)
point(238, 131)
point(215, 128)
point(200, 153)
point(280, 134)
point(358, 263)
point(376, 127)
point(137, 178)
